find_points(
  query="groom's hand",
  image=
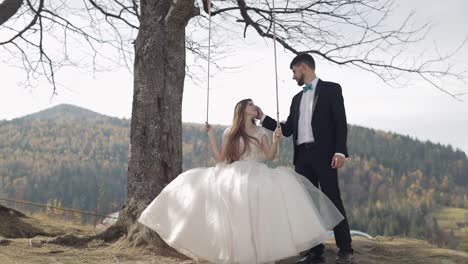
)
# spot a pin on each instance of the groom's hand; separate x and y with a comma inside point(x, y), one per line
point(337, 162)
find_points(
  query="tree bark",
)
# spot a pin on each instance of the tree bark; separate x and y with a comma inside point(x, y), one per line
point(8, 9)
point(156, 125)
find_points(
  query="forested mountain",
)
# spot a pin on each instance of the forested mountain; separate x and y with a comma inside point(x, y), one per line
point(391, 185)
point(63, 153)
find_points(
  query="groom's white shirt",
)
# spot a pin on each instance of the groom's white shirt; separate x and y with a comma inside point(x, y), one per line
point(304, 133)
point(304, 130)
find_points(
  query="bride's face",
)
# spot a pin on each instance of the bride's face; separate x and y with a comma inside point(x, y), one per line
point(250, 110)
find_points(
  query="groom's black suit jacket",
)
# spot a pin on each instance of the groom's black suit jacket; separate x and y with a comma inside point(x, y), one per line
point(329, 125)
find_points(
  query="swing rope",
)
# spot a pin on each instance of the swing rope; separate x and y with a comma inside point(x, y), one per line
point(276, 72)
point(209, 58)
point(208, 79)
point(208, 70)
point(276, 63)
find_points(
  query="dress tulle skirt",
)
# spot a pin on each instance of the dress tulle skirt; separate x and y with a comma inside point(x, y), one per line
point(244, 212)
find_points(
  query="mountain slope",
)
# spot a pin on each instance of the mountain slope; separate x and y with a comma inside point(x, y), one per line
point(391, 185)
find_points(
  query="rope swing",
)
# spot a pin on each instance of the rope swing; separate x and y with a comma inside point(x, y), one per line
point(273, 21)
point(208, 71)
point(208, 80)
point(209, 58)
point(276, 63)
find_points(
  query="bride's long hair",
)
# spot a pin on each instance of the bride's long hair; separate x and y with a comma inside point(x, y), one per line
point(237, 132)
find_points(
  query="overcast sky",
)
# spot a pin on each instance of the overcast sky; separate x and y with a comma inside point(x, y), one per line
point(418, 110)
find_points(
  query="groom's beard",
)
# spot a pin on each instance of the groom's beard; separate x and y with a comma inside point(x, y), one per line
point(300, 82)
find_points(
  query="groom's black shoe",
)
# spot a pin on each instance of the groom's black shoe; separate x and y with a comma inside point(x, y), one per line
point(311, 258)
point(344, 258)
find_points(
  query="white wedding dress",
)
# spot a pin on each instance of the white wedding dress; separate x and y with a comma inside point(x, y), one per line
point(243, 212)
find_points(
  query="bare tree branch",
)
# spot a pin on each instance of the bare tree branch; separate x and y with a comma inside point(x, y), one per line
point(32, 41)
point(317, 28)
point(9, 8)
point(343, 32)
point(117, 16)
point(31, 24)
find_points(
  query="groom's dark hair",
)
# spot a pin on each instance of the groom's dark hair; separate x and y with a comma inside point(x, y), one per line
point(303, 58)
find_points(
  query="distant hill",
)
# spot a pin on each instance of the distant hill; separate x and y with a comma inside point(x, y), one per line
point(67, 113)
point(391, 185)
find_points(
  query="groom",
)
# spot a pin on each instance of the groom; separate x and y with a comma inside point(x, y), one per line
point(317, 121)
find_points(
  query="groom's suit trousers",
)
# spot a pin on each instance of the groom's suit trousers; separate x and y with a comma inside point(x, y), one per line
point(316, 167)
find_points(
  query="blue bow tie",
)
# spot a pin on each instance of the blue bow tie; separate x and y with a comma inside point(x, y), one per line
point(307, 87)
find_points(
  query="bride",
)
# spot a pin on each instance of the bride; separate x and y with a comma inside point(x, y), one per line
point(241, 211)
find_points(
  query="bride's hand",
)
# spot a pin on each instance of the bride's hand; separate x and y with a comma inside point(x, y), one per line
point(209, 129)
point(277, 134)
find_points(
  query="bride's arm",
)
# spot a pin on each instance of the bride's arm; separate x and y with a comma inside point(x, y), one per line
point(270, 150)
point(218, 153)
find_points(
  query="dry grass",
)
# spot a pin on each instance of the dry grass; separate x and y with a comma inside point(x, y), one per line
point(449, 217)
point(382, 250)
point(20, 251)
point(14, 224)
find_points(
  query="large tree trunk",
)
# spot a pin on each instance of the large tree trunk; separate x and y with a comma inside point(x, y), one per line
point(156, 125)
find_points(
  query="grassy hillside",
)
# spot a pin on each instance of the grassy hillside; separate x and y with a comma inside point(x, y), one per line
point(391, 184)
point(27, 248)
